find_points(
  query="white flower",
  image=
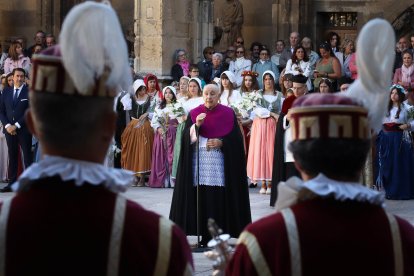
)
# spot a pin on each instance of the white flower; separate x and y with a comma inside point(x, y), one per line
point(410, 113)
point(177, 110)
point(116, 150)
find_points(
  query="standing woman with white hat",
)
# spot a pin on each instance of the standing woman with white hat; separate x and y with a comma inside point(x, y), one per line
point(193, 100)
point(261, 149)
point(138, 136)
point(228, 95)
point(165, 125)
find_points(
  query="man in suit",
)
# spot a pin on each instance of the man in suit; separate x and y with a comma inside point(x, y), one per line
point(294, 39)
point(13, 106)
point(68, 209)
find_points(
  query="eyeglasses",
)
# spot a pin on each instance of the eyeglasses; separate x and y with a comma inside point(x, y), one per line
point(240, 42)
point(239, 52)
point(230, 50)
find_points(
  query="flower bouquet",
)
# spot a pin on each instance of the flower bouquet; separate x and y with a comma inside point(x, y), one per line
point(249, 102)
point(177, 111)
point(407, 134)
point(410, 113)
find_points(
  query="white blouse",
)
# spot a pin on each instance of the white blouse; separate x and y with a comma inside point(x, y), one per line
point(192, 103)
point(304, 66)
point(234, 98)
point(155, 124)
point(402, 118)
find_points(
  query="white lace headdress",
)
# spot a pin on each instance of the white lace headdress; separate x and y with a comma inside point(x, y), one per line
point(93, 46)
point(375, 59)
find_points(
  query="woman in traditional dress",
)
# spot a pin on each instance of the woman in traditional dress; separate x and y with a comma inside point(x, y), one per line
point(249, 84)
point(153, 90)
point(228, 95)
point(164, 124)
point(194, 100)
point(214, 173)
point(182, 93)
point(138, 136)
point(286, 83)
point(261, 150)
point(325, 86)
point(395, 153)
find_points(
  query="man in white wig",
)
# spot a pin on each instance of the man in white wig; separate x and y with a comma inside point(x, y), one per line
point(68, 217)
point(328, 223)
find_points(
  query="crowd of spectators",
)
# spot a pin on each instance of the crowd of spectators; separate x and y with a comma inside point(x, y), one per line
point(330, 68)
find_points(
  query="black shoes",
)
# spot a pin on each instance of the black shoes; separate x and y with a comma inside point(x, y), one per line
point(253, 185)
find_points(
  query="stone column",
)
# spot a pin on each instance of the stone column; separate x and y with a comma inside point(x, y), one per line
point(281, 19)
point(137, 52)
point(161, 27)
point(204, 30)
point(148, 36)
point(288, 16)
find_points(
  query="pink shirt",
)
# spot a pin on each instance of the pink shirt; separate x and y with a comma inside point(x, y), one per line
point(353, 67)
point(22, 62)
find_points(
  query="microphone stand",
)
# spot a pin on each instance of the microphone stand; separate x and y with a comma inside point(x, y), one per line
point(199, 248)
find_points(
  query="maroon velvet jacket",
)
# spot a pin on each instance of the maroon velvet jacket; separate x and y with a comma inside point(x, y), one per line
point(56, 228)
point(336, 238)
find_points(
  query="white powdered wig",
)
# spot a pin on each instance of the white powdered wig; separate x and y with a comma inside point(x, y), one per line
point(92, 40)
point(375, 60)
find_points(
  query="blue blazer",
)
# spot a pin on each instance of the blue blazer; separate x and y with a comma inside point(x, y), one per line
point(9, 113)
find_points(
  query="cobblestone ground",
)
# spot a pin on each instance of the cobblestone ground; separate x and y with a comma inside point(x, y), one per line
point(159, 200)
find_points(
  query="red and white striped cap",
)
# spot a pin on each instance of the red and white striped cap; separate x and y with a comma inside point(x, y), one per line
point(322, 116)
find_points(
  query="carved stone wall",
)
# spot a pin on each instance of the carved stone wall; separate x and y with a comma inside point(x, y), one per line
point(161, 27)
point(404, 23)
point(155, 28)
point(19, 18)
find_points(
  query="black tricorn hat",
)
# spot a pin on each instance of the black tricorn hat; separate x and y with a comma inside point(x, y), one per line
point(299, 79)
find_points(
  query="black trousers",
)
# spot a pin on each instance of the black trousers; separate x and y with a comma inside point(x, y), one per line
point(24, 140)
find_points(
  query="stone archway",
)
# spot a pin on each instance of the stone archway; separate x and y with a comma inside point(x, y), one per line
point(404, 22)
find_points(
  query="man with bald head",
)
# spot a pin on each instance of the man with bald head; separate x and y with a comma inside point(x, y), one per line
point(294, 39)
point(402, 45)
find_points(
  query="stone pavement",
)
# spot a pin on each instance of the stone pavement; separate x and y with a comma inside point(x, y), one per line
point(159, 200)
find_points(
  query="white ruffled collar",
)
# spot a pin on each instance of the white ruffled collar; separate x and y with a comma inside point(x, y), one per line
point(294, 190)
point(82, 172)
